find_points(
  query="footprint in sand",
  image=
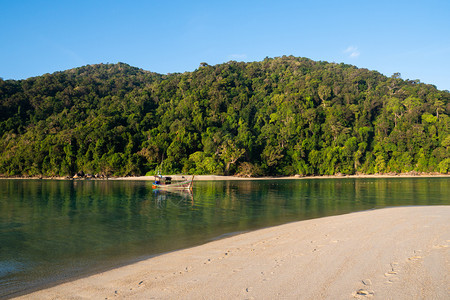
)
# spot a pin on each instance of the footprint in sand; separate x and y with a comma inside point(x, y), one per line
point(440, 246)
point(393, 280)
point(225, 255)
point(298, 255)
point(392, 273)
point(363, 293)
point(414, 258)
point(366, 291)
point(264, 278)
point(367, 282)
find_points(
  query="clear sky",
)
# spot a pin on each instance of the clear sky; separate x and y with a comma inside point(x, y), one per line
point(410, 37)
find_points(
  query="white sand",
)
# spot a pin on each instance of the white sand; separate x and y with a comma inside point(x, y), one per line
point(393, 253)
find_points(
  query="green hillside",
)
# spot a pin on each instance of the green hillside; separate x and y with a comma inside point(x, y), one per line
point(280, 116)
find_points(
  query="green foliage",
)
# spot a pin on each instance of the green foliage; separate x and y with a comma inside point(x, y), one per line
point(202, 164)
point(280, 116)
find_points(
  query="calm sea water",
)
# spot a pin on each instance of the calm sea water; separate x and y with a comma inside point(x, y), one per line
point(51, 231)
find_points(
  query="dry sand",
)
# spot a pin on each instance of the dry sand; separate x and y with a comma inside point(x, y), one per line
point(392, 253)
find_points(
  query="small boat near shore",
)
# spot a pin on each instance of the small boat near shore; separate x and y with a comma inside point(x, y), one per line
point(165, 182)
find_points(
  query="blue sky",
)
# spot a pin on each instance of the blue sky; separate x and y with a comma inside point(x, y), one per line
point(409, 37)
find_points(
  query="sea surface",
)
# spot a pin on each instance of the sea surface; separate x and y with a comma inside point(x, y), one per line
point(52, 231)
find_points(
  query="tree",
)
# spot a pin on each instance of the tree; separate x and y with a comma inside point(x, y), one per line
point(279, 116)
point(229, 152)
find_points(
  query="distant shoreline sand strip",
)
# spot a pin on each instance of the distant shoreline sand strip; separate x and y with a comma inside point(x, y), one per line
point(225, 178)
point(230, 178)
point(398, 253)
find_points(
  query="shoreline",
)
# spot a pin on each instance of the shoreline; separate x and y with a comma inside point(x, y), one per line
point(400, 252)
point(233, 178)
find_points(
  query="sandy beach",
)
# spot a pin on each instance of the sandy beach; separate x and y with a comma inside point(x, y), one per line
point(391, 253)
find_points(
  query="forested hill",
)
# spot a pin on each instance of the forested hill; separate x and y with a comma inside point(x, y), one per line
point(280, 116)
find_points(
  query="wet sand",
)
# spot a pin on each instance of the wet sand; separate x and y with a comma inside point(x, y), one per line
point(391, 253)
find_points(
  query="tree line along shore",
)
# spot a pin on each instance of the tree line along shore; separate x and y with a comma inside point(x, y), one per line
point(282, 116)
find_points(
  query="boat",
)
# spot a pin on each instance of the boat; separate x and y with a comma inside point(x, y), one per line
point(165, 182)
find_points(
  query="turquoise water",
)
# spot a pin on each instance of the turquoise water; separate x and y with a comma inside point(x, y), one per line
point(51, 231)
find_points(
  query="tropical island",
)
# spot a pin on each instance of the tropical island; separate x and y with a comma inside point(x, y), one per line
point(280, 116)
point(284, 116)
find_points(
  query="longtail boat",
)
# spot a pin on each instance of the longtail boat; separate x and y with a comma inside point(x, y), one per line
point(165, 182)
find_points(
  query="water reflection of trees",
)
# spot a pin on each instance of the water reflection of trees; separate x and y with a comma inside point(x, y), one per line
point(41, 200)
point(101, 215)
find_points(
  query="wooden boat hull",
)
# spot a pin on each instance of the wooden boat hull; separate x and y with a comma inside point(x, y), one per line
point(184, 185)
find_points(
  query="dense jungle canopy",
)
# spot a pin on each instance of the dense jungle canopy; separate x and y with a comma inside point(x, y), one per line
point(279, 116)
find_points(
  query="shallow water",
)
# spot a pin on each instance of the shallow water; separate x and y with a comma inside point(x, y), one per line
point(51, 231)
